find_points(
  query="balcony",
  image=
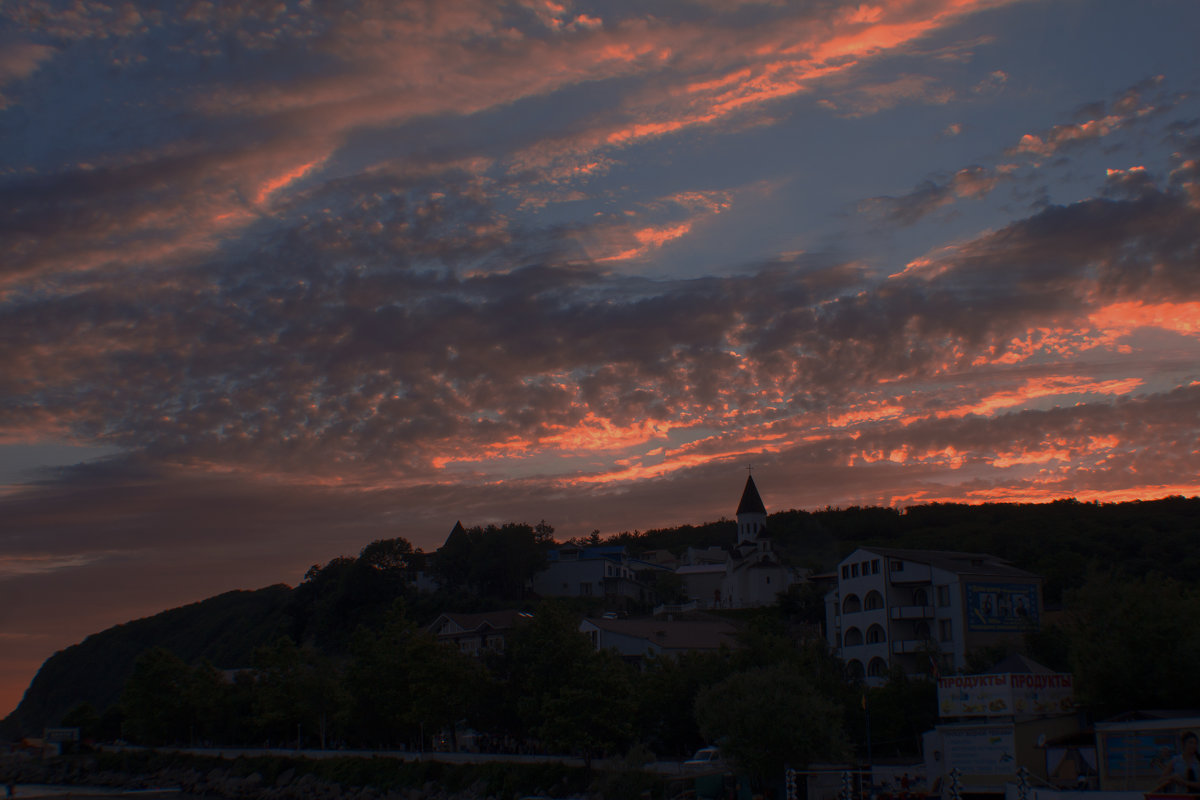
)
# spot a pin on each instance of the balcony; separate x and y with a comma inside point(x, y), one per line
point(911, 612)
point(901, 646)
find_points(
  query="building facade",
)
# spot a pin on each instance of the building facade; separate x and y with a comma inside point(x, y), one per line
point(604, 571)
point(925, 610)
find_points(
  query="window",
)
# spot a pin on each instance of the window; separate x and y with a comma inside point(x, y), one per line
point(945, 630)
point(585, 588)
point(875, 566)
point(854, 570)
point(853, 637)
point(854, 668)
point(873, 601)
point(878, 668)
point(921, 630)
point(943, 594)
point(851, 604)
point(875, 635)
point(866, 567)
point(845, 571)
point(920, 598)
point(897, 565)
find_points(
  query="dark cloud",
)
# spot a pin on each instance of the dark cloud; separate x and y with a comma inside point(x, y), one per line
point(930, 195)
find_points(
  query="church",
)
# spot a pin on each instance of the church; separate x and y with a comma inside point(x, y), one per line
point(746, 574)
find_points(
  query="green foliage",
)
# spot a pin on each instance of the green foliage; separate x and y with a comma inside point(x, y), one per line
point(666, 698)
point(901, 711)
point(85, 717)
point(768, 718)
point(540, 658)
point(593, 712)
point(334, 600)
point(493, 561)
point(388, 555)
point(296, 694)
point(1133, 643)
point(160, 700)
point(402, 684)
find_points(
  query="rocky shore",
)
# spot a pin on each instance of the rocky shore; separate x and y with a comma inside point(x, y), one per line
point(228, 782)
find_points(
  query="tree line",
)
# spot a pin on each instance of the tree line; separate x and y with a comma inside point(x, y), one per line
point(344, 659)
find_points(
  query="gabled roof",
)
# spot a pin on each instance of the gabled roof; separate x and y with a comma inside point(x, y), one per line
point(675, 634)
point(495, 620)
point(751, 502)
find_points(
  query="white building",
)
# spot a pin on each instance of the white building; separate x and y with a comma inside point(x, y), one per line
point(745, 575)
point(924, 610)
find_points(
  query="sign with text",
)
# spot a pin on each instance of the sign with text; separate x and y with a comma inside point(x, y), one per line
point(1006, 694)
point(981, 750)
point(1002, 607)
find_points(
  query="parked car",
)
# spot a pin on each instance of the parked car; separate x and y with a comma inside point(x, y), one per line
point(705, 758)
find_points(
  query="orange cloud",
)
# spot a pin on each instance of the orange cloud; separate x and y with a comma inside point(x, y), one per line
point(1036, 388)
point(1120, 318)
point(871, 413)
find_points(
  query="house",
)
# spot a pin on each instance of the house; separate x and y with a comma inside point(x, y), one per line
point(604, 571)
point(747, 574)
point(924, 610)
point(636, 639)
point(475, 634)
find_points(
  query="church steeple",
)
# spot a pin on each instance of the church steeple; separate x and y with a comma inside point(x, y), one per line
point(751, 513)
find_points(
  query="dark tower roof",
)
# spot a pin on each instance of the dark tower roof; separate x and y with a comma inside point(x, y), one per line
point(457, 534)
point(751, 503)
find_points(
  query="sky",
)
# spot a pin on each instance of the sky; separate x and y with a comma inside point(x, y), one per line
point(282, 278)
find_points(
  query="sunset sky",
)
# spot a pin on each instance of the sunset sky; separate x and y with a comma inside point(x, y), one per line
point(279, 279)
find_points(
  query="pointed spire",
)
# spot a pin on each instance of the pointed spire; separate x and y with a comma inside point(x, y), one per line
point(457, 533)
point(751, 502)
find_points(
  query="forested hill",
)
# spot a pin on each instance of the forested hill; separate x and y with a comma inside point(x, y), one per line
point(484, 568)
point(222, 630)
point(1059, 541)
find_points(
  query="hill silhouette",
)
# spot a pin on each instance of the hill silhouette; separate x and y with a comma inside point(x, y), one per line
point(1061, 541)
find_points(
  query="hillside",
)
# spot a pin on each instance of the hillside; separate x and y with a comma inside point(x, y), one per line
point(1060, 540)
point(223, 630)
